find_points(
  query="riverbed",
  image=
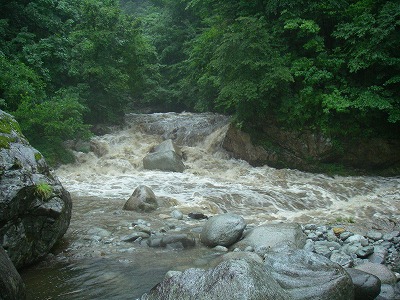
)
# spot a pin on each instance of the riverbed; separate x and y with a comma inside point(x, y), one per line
point(92, 262)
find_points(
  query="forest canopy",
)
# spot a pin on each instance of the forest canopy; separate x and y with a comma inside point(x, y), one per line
point(328, 66)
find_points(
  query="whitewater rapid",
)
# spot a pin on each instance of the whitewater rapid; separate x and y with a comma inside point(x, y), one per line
point(215, 183)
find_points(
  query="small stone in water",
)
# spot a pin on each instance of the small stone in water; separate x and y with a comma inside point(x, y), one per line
point(197, 216)
point(220, 249)
point(176, 214)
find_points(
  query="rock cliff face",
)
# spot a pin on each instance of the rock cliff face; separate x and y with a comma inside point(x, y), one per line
point(307, 150)
point(35, 209)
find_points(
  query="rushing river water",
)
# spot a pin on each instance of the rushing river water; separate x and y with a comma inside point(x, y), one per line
point(93, 263)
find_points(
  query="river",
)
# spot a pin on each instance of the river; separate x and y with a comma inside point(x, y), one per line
point(93, 263)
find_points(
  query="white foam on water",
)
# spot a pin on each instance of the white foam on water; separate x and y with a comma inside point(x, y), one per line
point(214, 183)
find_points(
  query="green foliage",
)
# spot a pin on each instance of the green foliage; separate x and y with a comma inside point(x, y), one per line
point(51, 122)
point(64, 64)
point(43, 190)
point(18, 82)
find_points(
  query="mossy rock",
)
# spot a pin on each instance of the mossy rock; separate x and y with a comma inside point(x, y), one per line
point(8, 124)
point(10, 131)
point(5, 141)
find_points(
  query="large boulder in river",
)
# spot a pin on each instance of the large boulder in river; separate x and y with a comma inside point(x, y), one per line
point(223, 230)
point(230, 280)
point(143, 199)
point(309, 276)
point(165, 157)
point(35, 209)
point(11, 285)
point(264, 237)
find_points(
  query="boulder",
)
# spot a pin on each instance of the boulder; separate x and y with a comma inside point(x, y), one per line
point(166, 157)
point(168, 145)
point(308, 276)
point(35, 209)
point(230, 280)
point(143, 199)
point(264, 237)
point(381, 271)
point(172, 241)
point(11, 285)
point(366, 286)
point(223, 230)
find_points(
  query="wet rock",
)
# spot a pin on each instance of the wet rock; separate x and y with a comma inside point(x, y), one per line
point(230, 280)
point(365, 251)
point(176, 214)
point(310, 227)
point(174, 241)
point(223, 230)
point(242, 255)
point(11, 284)
point(342, 259)
point(134, 236)
point(345, 235)
point(381, 271)
point(388, 292)
point(197, 216)
point(264, 237)
point(306, 275)
point(165, 157)
point(220, 249)
point(357, 238)
point(366, 286)
point(379, 255)
point(35, 209)
point(374, 235)
point(168, 145)
point(391, 235)
point(143, 199)
point(325, 248)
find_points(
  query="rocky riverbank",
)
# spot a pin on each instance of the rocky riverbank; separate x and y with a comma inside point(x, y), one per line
point(343, 260)
point(370, 261)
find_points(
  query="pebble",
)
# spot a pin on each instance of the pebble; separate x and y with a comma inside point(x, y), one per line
point(349, 249)
point(374, 235)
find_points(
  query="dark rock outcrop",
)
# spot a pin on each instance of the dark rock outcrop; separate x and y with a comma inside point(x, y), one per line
point(11, 285)
point(230, 280)
point(306, 150)
point(35, 209)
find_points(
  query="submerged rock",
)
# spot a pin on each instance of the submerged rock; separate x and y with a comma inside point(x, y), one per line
point(230, 280)
point(35, 209)
point(223, 230)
